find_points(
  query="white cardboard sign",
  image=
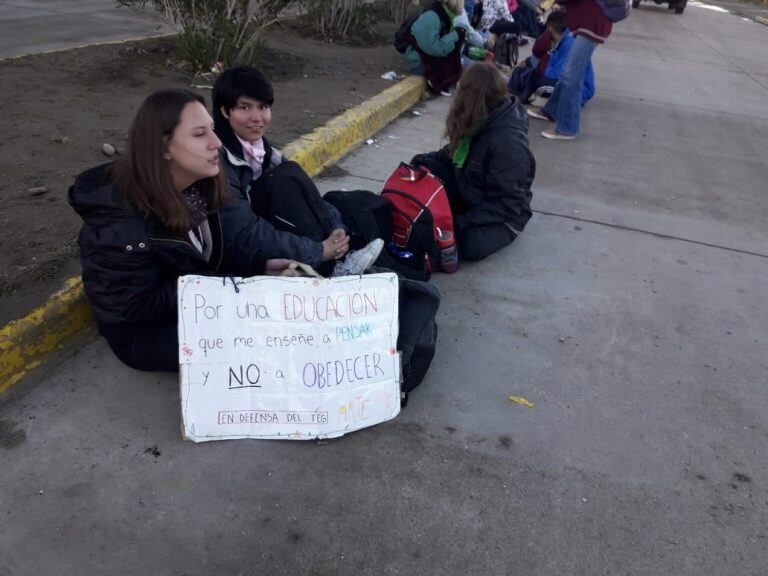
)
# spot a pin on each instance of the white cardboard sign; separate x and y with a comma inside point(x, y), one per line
point(287, 358)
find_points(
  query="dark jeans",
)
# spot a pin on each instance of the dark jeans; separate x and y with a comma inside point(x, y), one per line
point(152, 347)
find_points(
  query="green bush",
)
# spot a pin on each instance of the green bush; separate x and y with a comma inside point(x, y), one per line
point(214, 31)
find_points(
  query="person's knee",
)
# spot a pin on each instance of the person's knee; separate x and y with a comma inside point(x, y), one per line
point(482, 241)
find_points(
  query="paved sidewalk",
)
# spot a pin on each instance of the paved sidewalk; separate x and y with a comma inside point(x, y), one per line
point(35, 26)
point(631, 312)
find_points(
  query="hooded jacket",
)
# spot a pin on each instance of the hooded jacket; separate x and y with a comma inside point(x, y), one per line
point(495, 181)
point(586, 18)
point(434, 33)
point(131, 262)
point(275, 243)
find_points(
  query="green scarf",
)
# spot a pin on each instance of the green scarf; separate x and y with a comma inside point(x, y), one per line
point(462, 149)
point(451, 15)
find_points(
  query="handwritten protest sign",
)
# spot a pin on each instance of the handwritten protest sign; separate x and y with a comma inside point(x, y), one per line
point(287, 358)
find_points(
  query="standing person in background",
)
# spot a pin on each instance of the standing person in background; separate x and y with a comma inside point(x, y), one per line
point(487, 167)
point(590, 27)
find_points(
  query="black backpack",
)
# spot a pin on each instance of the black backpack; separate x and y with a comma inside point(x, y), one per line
point(417, 337)
point(403, 34)
point(368, 216)
point(419, 302)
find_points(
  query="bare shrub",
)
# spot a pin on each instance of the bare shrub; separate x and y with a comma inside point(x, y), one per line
point(398, 9)
point(214, 31)
point(334, 18)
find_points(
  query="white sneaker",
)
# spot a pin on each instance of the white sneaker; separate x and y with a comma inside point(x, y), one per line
point(358, 261)
point(555, 135)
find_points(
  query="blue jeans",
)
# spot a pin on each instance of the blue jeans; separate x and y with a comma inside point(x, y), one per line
point(565, 103)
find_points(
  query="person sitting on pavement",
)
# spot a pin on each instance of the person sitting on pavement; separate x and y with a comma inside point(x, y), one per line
point(158, 213)
point(487, 167)
point(292, 220)
point(435, 44)
point(495, 19)
point(527, 14)
point(590, 27)
point(525, 81)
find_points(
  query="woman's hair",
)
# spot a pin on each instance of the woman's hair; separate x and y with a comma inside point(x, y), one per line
point(480, 90)
point(143, 173)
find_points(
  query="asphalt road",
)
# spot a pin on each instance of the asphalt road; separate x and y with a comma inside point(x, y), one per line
point(35, 26)
point(631, 313)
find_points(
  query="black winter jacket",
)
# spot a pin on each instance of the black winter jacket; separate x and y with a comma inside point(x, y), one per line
point(496, 179)
point(275, 243)
point(131, 262)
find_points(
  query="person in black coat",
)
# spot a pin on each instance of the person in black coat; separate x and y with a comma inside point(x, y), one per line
point(292, 220)
point(486, 167)
point(158, 213)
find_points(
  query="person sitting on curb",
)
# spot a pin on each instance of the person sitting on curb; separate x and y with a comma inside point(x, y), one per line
point(158, 213)
point(292, 221)
point(525, 81)
point(435, 44)
point(487, 167)
point(590, 27)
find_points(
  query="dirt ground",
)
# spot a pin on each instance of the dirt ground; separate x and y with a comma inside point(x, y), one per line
point(59, 109)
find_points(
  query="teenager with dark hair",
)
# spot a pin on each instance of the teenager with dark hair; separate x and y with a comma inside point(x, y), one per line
point(156, 214)
point(486, 167)
point(292, 220)
point(549, 66)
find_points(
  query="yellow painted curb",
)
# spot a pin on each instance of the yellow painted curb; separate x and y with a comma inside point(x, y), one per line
point(331, 142)
point(26, 343)
point(762, 20)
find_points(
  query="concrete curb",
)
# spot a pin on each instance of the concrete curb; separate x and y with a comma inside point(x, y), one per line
point(762, 20)
point(329, 143)
point(27, 343)
point(89, 44)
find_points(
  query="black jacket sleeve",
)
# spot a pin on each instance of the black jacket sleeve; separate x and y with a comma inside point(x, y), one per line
point(248, 236)
point(498, 186)
point(126, 286)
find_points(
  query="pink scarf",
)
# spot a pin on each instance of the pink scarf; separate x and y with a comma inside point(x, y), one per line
point(254, 154)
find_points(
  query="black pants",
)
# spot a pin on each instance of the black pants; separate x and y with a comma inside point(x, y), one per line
point(152, 348)
point(477, 242)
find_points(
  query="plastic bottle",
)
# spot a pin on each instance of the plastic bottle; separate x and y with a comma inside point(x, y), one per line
point(449, 255)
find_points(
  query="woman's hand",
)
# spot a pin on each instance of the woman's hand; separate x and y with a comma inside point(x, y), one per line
point(275, 266)
point(336, 245)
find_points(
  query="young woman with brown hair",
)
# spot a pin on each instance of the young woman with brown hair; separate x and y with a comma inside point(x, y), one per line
point(486, 167)
point(159, 212)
